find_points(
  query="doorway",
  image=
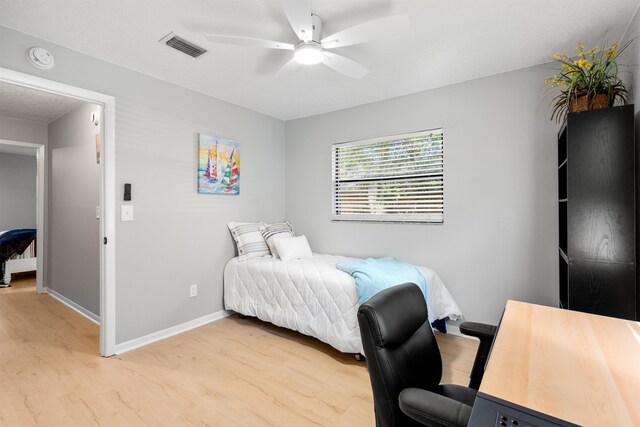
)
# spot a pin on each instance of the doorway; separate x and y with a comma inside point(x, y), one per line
point(23, 184)
point(105, 209)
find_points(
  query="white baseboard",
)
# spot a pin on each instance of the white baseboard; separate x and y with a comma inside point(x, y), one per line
point(169, 332)
point(72, 305)
point(455, 330)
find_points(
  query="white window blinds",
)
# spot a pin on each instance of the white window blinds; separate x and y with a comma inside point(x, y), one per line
point(396, 178)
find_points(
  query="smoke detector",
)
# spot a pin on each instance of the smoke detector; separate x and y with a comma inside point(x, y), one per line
point(40, 58)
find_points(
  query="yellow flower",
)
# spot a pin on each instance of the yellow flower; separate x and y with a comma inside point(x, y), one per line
point(582, 63)
point(556, 56)
point(613, 50)
point(588, 66)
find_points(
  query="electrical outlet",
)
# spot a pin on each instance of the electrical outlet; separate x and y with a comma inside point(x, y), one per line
point(193, 291)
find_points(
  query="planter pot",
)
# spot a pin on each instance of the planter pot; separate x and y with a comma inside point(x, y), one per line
point(581, 102)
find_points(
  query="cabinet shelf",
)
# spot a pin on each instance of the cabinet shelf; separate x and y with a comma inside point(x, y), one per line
point(563, 255)
point(563, 292)
point(562, 181)
point(562, 146)
point(562, 226)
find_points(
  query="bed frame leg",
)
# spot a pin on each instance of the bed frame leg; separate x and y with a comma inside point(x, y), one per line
point(359, 357)
point(241, 316)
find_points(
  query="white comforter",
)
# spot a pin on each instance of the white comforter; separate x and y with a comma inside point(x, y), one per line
point(312, 296)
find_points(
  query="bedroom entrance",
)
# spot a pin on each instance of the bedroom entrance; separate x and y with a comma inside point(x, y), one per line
point(68, 133)
point(21, 197)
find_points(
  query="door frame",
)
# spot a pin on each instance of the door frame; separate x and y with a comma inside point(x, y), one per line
point(107, 194)
point(41, 236)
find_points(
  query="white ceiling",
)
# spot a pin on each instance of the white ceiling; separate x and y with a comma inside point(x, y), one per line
point(31, 104)
point(449, 41)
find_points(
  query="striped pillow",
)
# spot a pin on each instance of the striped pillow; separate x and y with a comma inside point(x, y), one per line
point(249, 240)
point(272, 232)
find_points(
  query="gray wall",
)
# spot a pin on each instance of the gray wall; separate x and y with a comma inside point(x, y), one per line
point(23, 130)
point(632, 58)
point(73, 249)
point(17, 191)
point(169, 245)
point(499, 237)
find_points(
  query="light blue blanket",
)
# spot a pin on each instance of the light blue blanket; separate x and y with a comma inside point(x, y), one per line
point(374, 275)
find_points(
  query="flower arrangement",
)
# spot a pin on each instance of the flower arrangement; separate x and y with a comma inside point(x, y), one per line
point(588, 81)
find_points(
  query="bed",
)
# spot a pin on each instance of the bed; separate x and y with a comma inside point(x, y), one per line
point(17, 253)
point(311, 296)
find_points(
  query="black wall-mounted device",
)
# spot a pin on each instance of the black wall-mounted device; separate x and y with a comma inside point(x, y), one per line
point(127, 192)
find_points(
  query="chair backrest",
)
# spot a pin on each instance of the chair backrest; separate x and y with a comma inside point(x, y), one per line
point(400, 349)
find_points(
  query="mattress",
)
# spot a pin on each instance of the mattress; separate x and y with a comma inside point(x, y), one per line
point(312, 296)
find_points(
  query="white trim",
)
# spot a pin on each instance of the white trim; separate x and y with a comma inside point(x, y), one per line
point(455, 330)
point(108, 230)
point(72, 305)
point(41, 231)
point(376, 140)
point(169, 332)
point(41, 236)
point(107, 196)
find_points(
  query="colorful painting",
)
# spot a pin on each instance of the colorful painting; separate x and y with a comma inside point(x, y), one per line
point(218, 165)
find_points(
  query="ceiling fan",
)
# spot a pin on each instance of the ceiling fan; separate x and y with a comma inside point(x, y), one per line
point(313, 48)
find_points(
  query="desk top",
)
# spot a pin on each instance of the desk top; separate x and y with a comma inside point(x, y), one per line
point(579, 367)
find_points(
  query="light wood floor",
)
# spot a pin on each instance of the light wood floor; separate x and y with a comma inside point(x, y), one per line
point(231, 372)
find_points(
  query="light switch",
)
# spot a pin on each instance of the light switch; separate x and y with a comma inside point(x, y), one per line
point(126, 213)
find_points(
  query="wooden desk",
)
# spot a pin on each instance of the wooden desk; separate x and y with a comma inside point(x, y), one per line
point(574, 366)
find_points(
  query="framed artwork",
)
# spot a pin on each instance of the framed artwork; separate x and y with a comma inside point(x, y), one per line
point(218, 165)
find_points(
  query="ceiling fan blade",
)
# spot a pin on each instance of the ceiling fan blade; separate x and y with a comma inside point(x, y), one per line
point(299, 15)
point(248, 41)
point(387, 27)
point(344, 65)
point(287, 68)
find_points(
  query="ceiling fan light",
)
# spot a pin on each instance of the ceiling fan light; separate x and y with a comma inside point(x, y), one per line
point(308, 54)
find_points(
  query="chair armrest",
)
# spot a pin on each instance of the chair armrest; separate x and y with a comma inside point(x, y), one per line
point(486, 334)
point(432, 409)
point(478, 330)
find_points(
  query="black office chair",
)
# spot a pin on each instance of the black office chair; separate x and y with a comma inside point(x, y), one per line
point(404, 362)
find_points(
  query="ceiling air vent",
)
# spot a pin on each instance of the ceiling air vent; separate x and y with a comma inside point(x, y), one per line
point(183, 45)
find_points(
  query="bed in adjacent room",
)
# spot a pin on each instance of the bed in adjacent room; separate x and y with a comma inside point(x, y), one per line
point(312, 296)
point(17, 253)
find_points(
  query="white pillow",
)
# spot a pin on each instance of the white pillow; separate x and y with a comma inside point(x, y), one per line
point(272, 232)
point(249, 240)
point(290, 248)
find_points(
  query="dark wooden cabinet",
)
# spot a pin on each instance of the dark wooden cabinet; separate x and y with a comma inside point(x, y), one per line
point(597, 213)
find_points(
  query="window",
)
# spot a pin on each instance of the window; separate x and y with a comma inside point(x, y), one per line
point(391, 179)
